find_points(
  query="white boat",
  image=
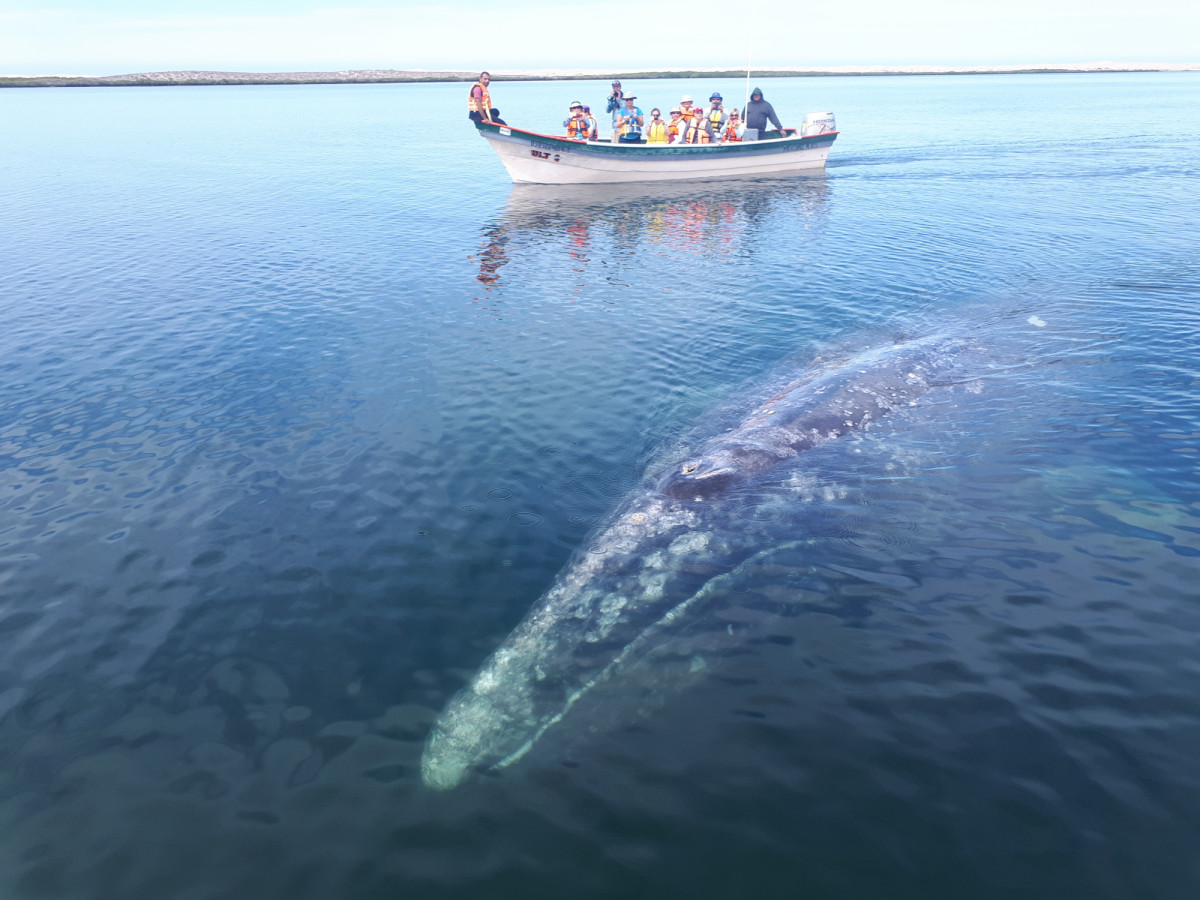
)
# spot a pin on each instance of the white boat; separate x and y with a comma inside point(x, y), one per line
point(533, 158)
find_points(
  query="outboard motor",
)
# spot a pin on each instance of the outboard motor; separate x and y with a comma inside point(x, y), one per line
point(818, 123)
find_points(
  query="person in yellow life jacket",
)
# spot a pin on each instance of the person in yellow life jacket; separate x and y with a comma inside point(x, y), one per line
point(656, 131)
point(676, 127)
point(479, 102)
point(630, 122)
point(716, 115)
point(576, 125)
point(733, 130)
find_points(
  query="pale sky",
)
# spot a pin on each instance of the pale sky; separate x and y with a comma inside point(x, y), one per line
point(109, 37)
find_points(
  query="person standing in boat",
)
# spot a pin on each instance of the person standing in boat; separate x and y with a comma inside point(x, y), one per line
point(479, 102)
point(615, 99)
point(758, 112)
point(656, 131)
point(630, 122)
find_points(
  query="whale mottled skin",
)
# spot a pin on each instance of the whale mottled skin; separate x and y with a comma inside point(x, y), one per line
point(639, 575)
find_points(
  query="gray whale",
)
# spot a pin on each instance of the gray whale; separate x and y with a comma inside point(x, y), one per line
point(636, 577)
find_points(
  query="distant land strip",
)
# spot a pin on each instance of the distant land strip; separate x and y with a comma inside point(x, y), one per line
point(404, 76)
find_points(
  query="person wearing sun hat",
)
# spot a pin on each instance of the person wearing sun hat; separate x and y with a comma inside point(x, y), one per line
point(686, 110)
point(630, 122)
point(676, 127)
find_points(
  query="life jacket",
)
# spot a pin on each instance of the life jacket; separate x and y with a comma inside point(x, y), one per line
point(630, 125)
point(672, 131)
point(731, 132)
point(592, 127)
point(697, 134)
point(577, 127)
point(656, 133)
point(715, 116)
point(687, 114)
point(482, 104)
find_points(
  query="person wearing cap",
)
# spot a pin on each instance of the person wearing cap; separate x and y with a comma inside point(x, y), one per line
point(733, 130)
point(615, 99)
point(676, 127)
point(630, 121)
point(593, 127)
point(758, 112)
point(576, 125)
point(700, 130)
point(716, 115)
point(656, 129)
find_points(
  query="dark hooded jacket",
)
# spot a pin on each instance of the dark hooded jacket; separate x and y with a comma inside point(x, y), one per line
point(759, 112)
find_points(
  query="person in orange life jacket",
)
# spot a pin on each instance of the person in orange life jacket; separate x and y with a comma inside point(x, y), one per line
point(593, 128)
point(576, 125)
point(716, 115)
point(700, 130)
point(686, 110)
point(676, 127)
point(733, 130)
point(656, 131)
point(479, 102)
point(631, 121)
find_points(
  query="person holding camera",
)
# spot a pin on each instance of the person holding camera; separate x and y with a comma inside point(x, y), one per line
point(615, 99)
point(630, 122)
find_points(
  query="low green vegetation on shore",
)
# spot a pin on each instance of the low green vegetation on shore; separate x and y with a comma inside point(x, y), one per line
point(388, 76)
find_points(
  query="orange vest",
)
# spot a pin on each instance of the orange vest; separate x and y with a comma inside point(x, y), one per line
point(731, 133)
point(696, 134)
point(481, 105)
point(577, 127)
point(672, 131)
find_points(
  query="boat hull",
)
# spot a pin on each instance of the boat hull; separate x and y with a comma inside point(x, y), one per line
point(532, 158)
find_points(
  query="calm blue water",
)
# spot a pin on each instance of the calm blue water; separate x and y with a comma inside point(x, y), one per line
point(304, 405)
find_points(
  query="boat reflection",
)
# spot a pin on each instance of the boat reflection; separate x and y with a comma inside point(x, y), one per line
point(581, 225)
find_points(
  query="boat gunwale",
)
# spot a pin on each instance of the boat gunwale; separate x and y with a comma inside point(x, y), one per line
point(606, 148)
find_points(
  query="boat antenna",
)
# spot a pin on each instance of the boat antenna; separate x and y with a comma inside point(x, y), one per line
point(749, 49)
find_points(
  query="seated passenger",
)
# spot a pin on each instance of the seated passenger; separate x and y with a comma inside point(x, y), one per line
point(733, 130)
point(593, 127)
point(686, 109)
point(699, 131)
point(576, 125)
point(676, 127)
point(657, 131)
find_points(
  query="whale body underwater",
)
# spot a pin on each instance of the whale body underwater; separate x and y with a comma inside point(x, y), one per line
point(636, 578)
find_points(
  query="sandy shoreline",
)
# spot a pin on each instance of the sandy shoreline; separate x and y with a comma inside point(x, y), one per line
point(368, 76)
